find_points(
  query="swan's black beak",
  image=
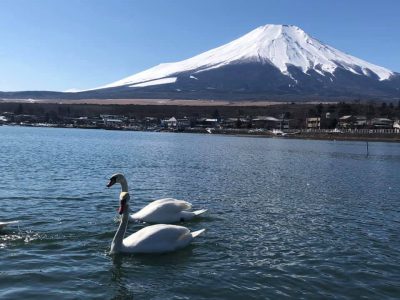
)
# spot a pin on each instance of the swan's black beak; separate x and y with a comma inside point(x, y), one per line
point(113, 180)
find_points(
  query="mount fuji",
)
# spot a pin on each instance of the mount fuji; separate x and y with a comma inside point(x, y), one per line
point(272, 62)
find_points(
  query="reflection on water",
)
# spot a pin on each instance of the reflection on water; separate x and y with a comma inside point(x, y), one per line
point(287, 218)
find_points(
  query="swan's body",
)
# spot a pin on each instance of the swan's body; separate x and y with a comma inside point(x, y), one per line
point(162, 211)
point(4, 224)
point(158, 238)
point(166, 210)
point(151, 239)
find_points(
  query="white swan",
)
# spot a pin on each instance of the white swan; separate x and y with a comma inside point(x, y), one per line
point(4, 224)
point(151, 239)
point(167, 210)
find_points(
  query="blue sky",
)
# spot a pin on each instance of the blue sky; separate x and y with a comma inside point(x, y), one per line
point(63, 44)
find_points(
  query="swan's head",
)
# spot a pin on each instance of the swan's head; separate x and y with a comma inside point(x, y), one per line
point(116, 178)
point(123, 202)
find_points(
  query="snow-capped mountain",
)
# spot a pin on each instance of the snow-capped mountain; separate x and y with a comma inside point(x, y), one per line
point(272, 62)
point(279, 46)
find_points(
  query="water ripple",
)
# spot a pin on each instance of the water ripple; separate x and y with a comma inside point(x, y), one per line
point(286, 219)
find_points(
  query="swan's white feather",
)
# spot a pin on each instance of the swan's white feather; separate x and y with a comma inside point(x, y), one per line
point(167, 210)
point(197, 233)
point(157, 239)
point(175, 204)
point(199, 212)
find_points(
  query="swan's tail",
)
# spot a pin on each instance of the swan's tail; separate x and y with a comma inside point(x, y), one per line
point(197, 233)
point(200, 211)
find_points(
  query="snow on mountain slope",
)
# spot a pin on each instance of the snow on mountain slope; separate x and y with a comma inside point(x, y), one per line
point(278, 45)
point(155, 82)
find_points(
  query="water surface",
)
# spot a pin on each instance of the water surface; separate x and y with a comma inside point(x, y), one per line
point(287, 218)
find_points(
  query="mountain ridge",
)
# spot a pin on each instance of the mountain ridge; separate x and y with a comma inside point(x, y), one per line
point(270, 62)
point(278, 45)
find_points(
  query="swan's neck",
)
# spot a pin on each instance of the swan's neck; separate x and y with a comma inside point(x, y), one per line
point(116, 244)
point(124, 185)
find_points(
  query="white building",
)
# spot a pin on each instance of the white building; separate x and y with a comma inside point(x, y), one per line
point(169, 123)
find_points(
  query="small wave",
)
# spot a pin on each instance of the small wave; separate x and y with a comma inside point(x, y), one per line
point(12, 239)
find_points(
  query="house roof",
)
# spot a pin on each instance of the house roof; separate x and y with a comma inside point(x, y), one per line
point(266, 118)
point(381, 120)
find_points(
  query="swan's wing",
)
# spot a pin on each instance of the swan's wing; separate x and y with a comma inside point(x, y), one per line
point(162, 211)
point(178, 204)
point(157, 239)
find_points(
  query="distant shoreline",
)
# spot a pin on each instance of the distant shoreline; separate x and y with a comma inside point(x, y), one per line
point(392, 138)
point(148, 117)
point(164, 102)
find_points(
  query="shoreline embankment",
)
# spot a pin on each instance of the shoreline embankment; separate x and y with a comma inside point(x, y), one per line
point(393, 137)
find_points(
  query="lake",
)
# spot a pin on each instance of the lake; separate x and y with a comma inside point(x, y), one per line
point(287, 218)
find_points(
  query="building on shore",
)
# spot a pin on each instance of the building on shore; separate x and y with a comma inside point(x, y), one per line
point(268, 122)
point(183, 123)
point(383, 123)
point(313, 123)
point(170, 123)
